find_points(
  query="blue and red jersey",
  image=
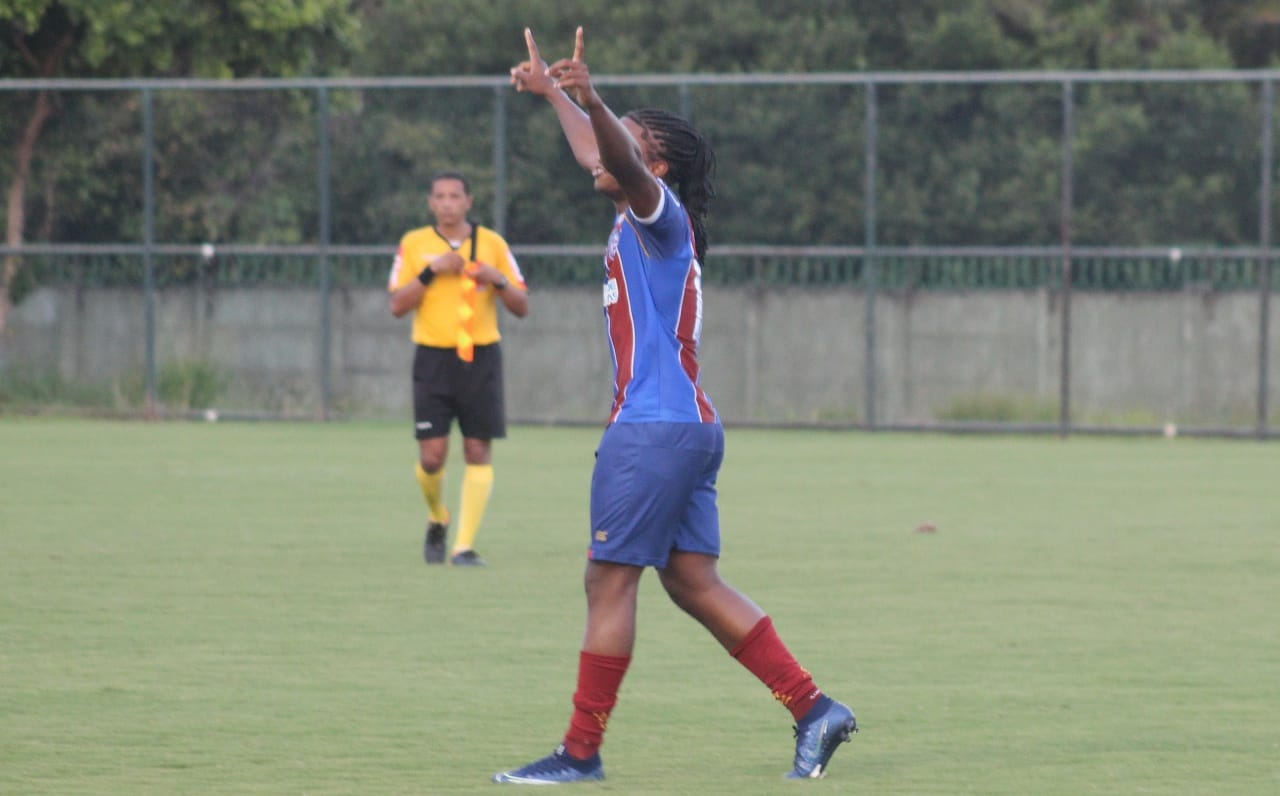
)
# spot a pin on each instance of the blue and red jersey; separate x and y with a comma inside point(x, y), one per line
point(653, 317)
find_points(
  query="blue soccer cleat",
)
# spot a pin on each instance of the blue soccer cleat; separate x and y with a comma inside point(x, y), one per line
point(555, 769)
point(818, 736)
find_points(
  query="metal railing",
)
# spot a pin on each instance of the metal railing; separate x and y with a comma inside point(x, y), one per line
point(869, 267)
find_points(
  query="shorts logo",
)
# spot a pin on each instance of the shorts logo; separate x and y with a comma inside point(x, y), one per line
point(611, 292)
point(423, 426)
point(602, 536)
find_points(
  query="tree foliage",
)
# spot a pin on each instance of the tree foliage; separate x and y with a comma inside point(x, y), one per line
point(957, 164)
point(135, 38)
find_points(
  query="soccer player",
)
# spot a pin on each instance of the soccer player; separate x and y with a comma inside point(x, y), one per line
point(452, 274)
point(653, 494)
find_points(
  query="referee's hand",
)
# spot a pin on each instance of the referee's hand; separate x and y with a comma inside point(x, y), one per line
point(486, 274)
point(448, 263)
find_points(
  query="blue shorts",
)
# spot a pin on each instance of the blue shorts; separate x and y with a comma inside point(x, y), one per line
point(653, 490)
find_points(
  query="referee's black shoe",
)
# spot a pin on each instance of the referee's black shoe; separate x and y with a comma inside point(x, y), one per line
point(433, 545)
point(466, 558)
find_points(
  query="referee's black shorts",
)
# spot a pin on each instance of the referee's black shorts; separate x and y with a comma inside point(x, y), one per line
point(445, 387)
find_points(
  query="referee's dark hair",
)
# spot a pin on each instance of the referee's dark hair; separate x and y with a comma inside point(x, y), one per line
point(692, 164)
point(451, 175)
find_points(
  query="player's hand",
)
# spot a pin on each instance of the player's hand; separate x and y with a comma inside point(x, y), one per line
point(572, 76)
point(448, 263)
point(531, 75)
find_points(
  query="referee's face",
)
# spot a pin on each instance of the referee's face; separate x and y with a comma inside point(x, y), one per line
point(449, 202)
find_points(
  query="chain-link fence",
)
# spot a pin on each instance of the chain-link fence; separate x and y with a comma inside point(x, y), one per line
point(1067, 251)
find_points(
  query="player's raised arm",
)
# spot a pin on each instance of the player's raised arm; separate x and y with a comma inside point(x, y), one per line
point(532, 76)
point(620, 153)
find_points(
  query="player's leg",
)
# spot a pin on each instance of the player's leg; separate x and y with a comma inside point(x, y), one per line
point(623, 510)
point(602, 665)
point(628, 515)
point(606, 650)
point(477, 487)
point(694, 585)
point(743, 629)
point(432, 415)
point(692, 580)
point(430, 472)
point(482, 418)
point(638, 488)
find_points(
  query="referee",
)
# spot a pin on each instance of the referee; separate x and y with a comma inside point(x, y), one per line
point(452, 275)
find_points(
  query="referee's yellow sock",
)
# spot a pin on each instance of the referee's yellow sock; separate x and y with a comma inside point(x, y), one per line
point(477, 485)
point(432, 485)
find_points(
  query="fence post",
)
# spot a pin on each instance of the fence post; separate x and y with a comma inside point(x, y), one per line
point(148, 244)
point(326, 280)
point(1068, 135)
point(500, 160)
point(1264, 265)
point(869, 257)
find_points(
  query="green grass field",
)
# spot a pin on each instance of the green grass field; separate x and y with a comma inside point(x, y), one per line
point(242, 609)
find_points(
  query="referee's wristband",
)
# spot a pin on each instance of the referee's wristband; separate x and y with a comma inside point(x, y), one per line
point(426, 275)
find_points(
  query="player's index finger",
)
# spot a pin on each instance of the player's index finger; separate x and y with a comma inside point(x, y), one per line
point(531, 44)
point(577, 45)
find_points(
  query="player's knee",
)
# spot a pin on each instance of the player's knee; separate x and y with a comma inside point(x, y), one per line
point(477, 451)
point(611, 583)
point(680, 589)
point(689, 582)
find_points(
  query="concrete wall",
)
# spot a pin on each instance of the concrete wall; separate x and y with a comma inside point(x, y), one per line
point(768, 355)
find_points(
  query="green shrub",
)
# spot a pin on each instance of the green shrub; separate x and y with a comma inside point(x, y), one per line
point(994, 408)
point(29, 388)
point(189, 384)
point(181, 384)
point(1133, 418)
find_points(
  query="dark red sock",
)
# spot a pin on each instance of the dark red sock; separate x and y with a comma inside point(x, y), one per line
point(599, 677)
point(765, 656)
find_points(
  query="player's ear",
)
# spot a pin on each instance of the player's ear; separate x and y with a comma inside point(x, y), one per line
point(659, 168)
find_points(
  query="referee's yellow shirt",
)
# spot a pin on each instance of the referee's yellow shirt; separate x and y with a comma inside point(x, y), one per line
point(436, 320)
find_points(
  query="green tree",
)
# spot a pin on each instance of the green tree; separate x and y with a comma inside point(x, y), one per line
point(958, 164)
point(138, 38)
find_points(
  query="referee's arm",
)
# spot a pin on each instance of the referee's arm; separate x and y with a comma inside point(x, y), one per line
point(408, 296)
point(513, 295)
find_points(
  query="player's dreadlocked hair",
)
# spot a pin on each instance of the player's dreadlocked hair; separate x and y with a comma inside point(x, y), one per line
point(692, 163)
